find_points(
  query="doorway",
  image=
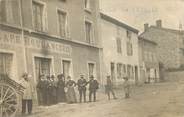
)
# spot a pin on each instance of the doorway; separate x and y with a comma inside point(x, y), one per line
point(136, 75)
point(112, 72)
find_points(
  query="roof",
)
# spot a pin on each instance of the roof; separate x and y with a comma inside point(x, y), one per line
point(172, 31)
point(147, 40)
point(117, 22)
point(164, 29)
point(169, 30)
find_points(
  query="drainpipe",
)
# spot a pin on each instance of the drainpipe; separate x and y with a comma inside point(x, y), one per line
point(22, 36)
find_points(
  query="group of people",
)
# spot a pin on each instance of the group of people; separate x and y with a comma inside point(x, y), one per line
point(109, 87)
point(52, 90)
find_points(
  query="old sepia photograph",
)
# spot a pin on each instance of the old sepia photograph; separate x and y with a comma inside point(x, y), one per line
point(91, 58)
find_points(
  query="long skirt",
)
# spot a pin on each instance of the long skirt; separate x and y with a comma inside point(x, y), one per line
point(61, 95)
point(70, 95)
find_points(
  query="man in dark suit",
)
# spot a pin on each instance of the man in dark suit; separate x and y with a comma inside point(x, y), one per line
point(93, 86)
point(82, 87)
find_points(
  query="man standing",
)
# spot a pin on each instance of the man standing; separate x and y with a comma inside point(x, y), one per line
point(41, 90)
point(126, 86)
point(109, 88)
point(27, 94)
point(82, 87)
point(93, 86)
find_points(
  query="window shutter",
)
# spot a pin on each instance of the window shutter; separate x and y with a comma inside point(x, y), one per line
point(9, 11)
point(67, 27)
point(45, 22)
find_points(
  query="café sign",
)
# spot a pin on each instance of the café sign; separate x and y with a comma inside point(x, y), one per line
point(52, 46)
point(9, 38)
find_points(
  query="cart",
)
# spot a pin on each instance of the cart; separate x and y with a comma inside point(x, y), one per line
point(10, 92)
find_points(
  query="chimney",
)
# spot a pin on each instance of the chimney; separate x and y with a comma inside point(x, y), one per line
point(159, 23)
point(146, 26)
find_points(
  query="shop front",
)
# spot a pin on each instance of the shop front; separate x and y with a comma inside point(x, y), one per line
point(37, 54)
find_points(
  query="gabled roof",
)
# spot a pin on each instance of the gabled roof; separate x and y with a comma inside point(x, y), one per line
point(117, 22)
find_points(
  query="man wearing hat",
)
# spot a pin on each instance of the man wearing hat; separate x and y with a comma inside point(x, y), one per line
point(27, 94)
point(82, 87)
point(109, 87)
point(93, 86)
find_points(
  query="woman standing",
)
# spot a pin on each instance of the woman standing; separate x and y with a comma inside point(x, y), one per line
point(60, 88)
point(70, 93)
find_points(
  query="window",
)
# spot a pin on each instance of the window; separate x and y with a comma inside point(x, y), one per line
point(183, 52)
point(118, 31)
point(6, 63)
point(129, 34)
point(62, 20)
point(10, 11)
point(130, 71)
point(124, 68)
point(66, 68)
point(146, 56)
point(39, 17)
point(119, 71)
point(89, 32)
point(87, 4)
point(153, 57)
point(118, 42)
point(91, 68)
point(129, 49)
point(42, 66)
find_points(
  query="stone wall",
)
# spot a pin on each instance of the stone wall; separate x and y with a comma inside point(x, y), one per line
point(174, 76)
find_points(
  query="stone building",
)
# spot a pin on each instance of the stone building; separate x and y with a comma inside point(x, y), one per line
point(149, 64)
point(120, 50)
point(49, 37)
point(170, 44)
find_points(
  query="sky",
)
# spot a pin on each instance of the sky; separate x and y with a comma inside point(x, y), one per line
point(138, 12)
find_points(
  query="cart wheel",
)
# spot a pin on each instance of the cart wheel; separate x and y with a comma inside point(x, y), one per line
point(8, 101)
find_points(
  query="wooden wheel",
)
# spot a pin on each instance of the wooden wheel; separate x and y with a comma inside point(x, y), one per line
point(8, 101)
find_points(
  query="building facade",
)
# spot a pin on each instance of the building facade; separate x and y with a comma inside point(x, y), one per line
point(120, 50)
point(149, 64)
point(170, 51)
point(49, 37)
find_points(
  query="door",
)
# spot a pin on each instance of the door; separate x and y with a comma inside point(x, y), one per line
point(91, 68)
point(66, 68)
point(136, 75)
point(113, 72)
point(42, 67)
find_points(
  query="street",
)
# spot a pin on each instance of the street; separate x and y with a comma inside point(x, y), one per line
point(150, 100)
